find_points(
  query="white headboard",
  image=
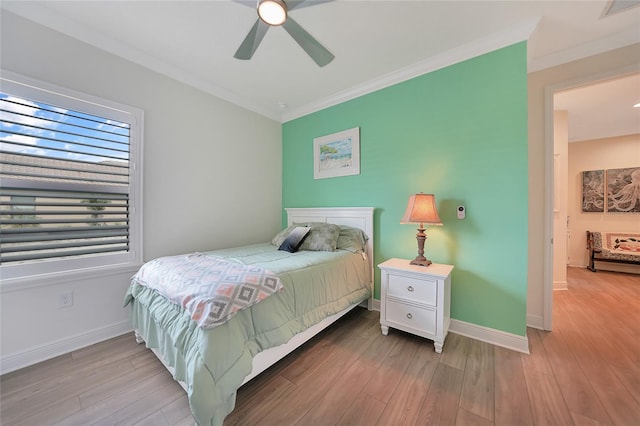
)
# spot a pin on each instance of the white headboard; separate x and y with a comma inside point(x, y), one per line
point(357, 217)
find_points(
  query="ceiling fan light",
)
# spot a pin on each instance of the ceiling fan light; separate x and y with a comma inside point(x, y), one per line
point(272, 12)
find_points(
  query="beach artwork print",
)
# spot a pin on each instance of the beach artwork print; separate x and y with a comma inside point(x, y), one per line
point(337, 154)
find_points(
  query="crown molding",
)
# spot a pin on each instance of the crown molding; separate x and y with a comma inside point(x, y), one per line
point(495, 41)
point(619, 40)
point(77, 30)
point(524, 31)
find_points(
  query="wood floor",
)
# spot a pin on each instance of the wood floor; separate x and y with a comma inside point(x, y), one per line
point(585, 372)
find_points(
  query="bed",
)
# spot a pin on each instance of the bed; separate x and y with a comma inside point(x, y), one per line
point(212, 363)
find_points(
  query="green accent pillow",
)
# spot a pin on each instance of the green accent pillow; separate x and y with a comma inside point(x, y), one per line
point(323, 237)
point(351, 239)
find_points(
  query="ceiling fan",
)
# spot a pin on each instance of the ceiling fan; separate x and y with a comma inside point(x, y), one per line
point(273, 13)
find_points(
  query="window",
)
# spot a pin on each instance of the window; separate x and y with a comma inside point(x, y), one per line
point(23, 206)
point(70, 193)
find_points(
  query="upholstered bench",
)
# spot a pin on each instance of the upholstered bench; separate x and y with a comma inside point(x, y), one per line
point(616, 247)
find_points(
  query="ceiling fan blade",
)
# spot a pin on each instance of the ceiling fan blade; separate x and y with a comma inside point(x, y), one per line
point(299, 4)
point(318, 52)
point(252, 40)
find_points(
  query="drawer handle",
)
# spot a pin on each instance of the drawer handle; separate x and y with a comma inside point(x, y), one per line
point(409, 315)
point(410, 288)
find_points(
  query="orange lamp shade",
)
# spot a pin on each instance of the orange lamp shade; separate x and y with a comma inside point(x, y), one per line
point(421, 208)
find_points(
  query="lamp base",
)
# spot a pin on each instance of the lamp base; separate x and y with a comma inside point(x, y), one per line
point(420, 262)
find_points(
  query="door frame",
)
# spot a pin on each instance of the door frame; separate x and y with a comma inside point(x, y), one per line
point(550, 91)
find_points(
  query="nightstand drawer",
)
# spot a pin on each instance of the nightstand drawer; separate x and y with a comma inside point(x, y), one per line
point(420, 290)
point(406, 315)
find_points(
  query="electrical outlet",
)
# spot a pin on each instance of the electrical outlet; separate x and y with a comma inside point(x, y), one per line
point(65, 300)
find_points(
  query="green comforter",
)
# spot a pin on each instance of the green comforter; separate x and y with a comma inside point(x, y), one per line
point(213, 363)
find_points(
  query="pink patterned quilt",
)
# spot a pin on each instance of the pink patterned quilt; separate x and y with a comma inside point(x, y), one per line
point(211, 289)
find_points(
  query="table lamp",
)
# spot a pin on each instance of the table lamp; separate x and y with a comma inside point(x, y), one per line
point(421, 209)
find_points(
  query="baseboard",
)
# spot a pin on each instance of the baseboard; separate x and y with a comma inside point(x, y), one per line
point(560, 285)
point(490, 335)
point(36, 354)
point(535, 321)
point(376, 305)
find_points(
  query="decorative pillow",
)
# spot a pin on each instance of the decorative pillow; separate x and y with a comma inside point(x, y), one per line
point(323, 237)
point(280, 236)
point(351, 239)
point(294, 239)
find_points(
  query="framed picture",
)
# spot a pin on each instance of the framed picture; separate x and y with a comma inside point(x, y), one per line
point(623, 190)
point(337, 154)
point(593, 191)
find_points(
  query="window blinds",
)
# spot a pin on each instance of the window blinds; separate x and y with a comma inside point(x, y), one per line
point(64, 182)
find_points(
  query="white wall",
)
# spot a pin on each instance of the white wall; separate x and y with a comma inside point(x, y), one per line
point(212, 178)
point(560, 152)
point(599, 154)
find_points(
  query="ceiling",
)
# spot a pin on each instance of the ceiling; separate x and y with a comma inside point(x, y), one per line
point(375, 43)
point(602, 110)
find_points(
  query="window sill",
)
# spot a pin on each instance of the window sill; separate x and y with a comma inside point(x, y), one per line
point(34, 281)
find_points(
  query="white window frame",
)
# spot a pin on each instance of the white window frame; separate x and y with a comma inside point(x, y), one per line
point(14, 275)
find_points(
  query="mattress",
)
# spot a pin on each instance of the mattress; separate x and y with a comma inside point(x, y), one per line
point(214, 362)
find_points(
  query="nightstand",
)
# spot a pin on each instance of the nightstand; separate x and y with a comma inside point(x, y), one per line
point(416, 299)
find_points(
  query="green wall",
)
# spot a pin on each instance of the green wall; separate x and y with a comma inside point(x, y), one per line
point(460, 133)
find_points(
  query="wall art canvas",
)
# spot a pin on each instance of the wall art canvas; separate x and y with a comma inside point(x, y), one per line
point(337, 154)
point(593, 191)
point(623, 190)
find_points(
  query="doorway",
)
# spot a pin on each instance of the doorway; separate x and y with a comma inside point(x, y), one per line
point(554, 170)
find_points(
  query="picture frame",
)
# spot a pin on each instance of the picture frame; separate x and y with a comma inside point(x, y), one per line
point(337, 154)
point(593, 199)
point(623, 190)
